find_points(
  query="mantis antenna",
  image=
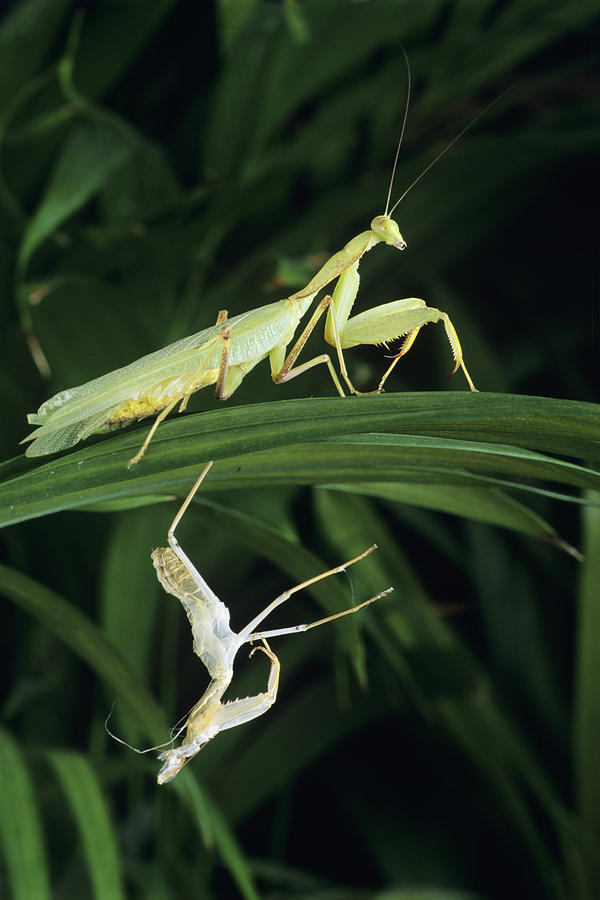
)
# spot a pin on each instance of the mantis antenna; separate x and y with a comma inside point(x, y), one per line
point(408, 88)
point(443, 152)
point(176, 731)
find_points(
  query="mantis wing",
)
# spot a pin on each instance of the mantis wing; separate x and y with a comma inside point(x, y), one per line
point(76, 413)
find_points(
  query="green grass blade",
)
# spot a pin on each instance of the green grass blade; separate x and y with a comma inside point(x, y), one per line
point(587, 697)
point(232, 853)
point(98, 472)
point(478, 456)
point(461, 700)
point(495, 507)
point(20, 827)
point(214, 829)
point(100, 847)
point(27, 33)
point(128, 573)
point(91, 154)
point(90, 643)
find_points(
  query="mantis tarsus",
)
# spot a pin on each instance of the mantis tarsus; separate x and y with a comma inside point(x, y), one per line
point(224, 353)
point(217, 644)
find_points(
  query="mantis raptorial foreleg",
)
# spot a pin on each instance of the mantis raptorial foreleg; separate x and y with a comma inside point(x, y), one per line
point(428, 315)
point(383, 324)
point(238, 712)
point(209, 717)
point(217, 644)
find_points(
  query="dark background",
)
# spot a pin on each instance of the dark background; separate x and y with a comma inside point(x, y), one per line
point(264, 135)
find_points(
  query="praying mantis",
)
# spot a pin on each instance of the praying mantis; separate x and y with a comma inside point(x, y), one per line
point(226, 352)
point(217, 644)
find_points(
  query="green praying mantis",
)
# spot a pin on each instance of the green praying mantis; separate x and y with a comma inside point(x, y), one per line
point(227, 351)
point(216, 644)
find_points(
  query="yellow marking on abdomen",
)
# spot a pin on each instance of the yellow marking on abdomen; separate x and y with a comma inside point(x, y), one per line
point(135, 410)
point(177, 389)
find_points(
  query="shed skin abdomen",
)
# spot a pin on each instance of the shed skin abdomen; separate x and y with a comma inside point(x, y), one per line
point(208, 616)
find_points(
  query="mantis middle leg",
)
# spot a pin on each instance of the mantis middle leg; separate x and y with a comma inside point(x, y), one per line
point(189, 388)
point(287, 371)
point(296, 629)
point(338, 308)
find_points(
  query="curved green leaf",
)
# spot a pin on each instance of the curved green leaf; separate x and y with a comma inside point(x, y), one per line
point(20, 827)
point(587, 687)
point(460, 694)
point(494, 506)
point(88, 159)
point(84, 794)
point(90, 643)
point(98, 472)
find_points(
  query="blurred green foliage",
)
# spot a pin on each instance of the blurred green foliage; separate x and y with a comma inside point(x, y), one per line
point(162, 161)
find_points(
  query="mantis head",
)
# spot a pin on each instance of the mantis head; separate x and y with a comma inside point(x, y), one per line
point(387, 230)
point(175, 759)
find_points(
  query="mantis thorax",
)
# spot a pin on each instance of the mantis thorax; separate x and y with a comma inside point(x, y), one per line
point(387, 230)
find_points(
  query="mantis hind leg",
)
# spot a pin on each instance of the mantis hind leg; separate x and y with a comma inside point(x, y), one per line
point(248, 633)
point(297, 629)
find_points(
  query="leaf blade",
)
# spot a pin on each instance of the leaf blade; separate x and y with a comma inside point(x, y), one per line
point(84, 795)
point(20, 826)
point(98, 473)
